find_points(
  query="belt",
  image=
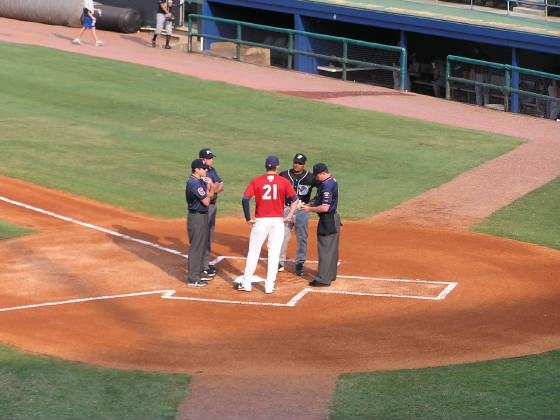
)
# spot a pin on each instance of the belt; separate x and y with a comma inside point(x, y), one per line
point(197, 212)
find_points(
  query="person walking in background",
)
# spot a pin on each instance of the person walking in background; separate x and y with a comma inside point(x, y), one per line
point(302, 182)
point(164, 19)
point(480, 73)
point(89, 23)
point(553, 106)
point(198, 192)
point(270, 191)
point(208, 158)
point(328, 229)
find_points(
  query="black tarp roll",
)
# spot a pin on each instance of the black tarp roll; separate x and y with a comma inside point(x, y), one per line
point(118, 19)
point(54, 12)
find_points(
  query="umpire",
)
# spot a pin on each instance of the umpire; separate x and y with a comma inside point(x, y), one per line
point(328, 228)
point(218, 186)
point(199, 193)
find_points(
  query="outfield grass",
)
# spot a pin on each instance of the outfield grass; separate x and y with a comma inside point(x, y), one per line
point(9, 230)
point(509, 389)
point(125, 134)
point(40, 387)
point(532, 218)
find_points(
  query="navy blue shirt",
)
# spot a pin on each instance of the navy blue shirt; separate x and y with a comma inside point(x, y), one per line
point(195, 192)
point(213, 175)
point(327, 193)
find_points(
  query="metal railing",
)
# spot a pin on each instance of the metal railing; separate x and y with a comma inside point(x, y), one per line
point(506, 89)
point(344, 61)
point(544, 4)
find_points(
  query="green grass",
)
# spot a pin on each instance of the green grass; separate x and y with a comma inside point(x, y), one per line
point(38, 387)
point(125, 134)
point(532, 218)
point(9, 230)
point(519, 388)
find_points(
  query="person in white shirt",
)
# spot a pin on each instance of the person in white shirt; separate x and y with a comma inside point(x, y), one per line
point(89, 23)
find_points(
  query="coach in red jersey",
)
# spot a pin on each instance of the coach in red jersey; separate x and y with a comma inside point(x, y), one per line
point(270, 191)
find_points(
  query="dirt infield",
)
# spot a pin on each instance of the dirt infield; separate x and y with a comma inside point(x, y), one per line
point(411, 293)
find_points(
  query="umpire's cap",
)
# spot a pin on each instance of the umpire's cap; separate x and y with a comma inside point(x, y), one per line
point(300, 158)
point(198, 163)
point(206, 154)
point(319, 168)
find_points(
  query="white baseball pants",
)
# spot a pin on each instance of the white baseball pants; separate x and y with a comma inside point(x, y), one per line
point(273, 229)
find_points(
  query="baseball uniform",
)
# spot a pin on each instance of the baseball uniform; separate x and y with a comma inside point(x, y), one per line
point(197, 227)
point(270, 191)
point(302, 184)
point(328, 232)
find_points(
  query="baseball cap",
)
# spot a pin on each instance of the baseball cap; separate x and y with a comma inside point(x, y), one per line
point(272, 162)
point(198, 163)
point(300, 158)
point(319, 168)
point(206, 154)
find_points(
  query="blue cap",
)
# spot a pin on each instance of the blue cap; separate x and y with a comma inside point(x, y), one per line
point(272, 162)
point(198, 163)
point(319, 168)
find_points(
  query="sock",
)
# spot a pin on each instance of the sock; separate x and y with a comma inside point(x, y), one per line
point(167, 38)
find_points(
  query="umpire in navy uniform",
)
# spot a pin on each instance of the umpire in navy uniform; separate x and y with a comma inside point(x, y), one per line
point(328, 228)
point(199, 193)
point(207, 157)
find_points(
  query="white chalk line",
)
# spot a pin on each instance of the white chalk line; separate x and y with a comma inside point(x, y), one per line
point(168, 294)
point(117, 234)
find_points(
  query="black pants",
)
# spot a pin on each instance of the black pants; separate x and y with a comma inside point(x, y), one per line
point(197, 230)
point(327, 246)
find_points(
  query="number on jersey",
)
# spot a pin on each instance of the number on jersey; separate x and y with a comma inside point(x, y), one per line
point(270, 192)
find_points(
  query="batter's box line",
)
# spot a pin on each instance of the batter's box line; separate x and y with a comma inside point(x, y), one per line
point(170, 294)
point(442, 295)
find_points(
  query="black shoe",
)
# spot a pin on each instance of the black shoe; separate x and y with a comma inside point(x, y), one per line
point(316, 283)
point(167, 47)
point(242, 288)
point(197, 284)
point(299, 269)
point(280, 267)
point(153, 44)
point(211, 270)
point(204, 276)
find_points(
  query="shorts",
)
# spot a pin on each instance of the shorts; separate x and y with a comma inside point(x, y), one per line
point(88, 22)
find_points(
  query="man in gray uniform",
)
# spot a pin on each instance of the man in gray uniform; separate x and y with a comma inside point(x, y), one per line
point(302, 181)
point(328, 228)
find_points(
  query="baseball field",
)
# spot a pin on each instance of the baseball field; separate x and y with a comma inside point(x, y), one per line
point(447, 300)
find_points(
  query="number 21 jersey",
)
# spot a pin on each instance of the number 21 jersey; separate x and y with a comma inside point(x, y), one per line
point(270, 191)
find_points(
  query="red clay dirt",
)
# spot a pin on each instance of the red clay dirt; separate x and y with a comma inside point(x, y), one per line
point(253, 361)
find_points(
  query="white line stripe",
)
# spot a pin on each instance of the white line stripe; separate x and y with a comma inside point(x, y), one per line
point(395, 280)
point(65, 302)
point(237, 302)
point(342, 292)
point(120, 235)
point(94, 227)
point(298, 297)
point(446, 291)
